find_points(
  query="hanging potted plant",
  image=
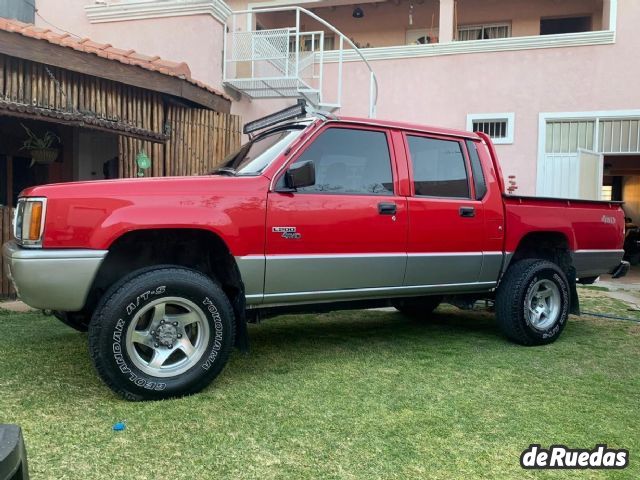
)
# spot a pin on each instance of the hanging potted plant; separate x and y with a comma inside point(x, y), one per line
point(42, 149)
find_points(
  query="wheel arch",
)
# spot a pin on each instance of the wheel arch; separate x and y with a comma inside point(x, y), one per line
point(194, 248)
point(554, 246)
point(548, 245)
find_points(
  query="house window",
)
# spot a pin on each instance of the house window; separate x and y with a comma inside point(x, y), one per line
point(484, 32)
point(552, 26)
point(619, 136)
point(306, 44)
point(499, 126)
point(608, 135)
point(567, 136)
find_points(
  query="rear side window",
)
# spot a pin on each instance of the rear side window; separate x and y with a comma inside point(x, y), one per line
point(478, 175)
point(438, 167)
point(350, 161)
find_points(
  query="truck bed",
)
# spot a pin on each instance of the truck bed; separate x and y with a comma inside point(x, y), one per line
point(594, 230)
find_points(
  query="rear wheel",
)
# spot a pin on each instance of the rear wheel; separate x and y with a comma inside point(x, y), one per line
point(418, 308)
point(532, 302)
point(163, 333)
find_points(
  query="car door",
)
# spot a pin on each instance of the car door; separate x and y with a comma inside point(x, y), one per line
point(345, 236)
point(446, 222)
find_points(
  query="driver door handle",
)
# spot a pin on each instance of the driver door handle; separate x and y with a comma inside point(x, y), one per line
point(387, 208)
point(467, 212)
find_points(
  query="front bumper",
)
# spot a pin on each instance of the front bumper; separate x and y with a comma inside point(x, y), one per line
point(52, 279)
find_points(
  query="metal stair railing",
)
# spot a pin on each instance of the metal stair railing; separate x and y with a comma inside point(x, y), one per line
point(270, 63)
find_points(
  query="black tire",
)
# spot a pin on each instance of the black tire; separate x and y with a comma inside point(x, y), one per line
point(518, 287)
point(418, 308)
point(128, 300)
point(76, 320)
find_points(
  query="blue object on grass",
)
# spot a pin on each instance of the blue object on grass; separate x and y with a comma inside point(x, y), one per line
point(119, 426)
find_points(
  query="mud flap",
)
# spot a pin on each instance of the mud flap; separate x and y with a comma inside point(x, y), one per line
point(574, 307)
point(242, 334)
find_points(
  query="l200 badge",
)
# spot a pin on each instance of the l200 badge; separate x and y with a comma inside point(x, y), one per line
point(287, 232)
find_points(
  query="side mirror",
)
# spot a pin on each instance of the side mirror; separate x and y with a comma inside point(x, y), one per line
point(300, 175)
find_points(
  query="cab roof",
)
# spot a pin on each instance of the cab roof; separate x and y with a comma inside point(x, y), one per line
point(404, 126)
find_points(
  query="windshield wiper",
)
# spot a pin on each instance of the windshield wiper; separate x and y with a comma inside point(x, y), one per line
point(223, 171)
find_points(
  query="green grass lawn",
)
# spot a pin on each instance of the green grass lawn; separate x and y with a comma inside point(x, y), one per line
point(364, 394)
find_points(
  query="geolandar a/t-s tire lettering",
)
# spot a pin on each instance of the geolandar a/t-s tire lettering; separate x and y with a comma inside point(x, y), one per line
point(160, 333)
point(532, 302)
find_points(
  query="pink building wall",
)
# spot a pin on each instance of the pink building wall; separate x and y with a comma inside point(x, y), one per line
point(438, 90)
point(194, 39)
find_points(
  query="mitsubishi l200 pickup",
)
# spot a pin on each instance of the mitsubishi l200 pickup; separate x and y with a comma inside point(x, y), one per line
point(314, 212)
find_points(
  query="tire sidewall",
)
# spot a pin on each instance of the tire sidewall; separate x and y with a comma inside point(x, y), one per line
point(118, 312)
point(559, 279)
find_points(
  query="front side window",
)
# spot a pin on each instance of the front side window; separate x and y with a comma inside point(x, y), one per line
point(438, 167)
point(349, 161)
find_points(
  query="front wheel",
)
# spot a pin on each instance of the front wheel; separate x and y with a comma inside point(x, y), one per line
point(163, 333)
point(532, 302)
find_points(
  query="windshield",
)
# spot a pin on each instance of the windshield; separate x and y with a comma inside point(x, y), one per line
point(253, 157)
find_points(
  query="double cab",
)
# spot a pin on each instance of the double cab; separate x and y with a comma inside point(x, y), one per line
point(312, 213)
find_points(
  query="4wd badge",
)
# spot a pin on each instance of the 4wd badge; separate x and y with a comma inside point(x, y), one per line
point(287, 232)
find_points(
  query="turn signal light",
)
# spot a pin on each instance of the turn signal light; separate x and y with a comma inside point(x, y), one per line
point(36, 221)
point(29, 221)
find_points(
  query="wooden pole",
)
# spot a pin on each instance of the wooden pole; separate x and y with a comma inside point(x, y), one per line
point(9, 181)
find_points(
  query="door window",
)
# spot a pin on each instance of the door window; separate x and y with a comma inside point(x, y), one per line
point(350, 161)
point(438, 167)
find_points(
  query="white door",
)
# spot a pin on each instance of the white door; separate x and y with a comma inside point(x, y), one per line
point(590, 178)
point(571, 175)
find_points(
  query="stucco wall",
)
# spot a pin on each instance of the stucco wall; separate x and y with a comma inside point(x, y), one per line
point(194, 39)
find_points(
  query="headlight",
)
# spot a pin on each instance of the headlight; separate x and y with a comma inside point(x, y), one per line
point(28, 224)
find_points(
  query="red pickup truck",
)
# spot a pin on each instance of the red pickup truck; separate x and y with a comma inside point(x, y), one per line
point(312, 213)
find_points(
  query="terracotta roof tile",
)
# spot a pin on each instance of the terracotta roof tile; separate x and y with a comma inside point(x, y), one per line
point(129, 57)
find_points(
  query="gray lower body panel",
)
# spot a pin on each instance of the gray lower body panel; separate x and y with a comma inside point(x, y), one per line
point(312, 273)
point(443, 269)
point(296, 279)
point(52, 279)
point(591, 263)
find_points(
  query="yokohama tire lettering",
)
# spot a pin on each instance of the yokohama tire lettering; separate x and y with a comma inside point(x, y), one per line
point(217, 343)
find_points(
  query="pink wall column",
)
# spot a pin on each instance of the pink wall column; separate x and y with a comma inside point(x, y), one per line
point(446, 21)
